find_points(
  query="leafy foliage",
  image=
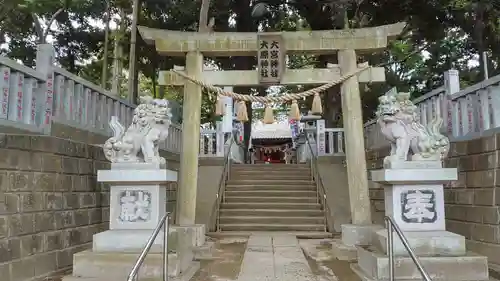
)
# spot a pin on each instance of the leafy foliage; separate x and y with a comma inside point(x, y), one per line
point(440, 35)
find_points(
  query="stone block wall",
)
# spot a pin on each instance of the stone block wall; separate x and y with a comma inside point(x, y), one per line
point(50, 204)
point(63, 131)
point(173, 163)
point(472, 203)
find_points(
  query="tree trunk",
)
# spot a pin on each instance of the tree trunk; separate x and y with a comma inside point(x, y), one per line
point(203, 20)
point(117, 67)
point(118, 55)
point(104, 74)
point(324, 19)
point(133, 73)
point(244, 23)
point(479, 27)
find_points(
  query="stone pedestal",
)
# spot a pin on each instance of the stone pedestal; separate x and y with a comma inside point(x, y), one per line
point(414, 199)
point(352, 236)
point(137, 204)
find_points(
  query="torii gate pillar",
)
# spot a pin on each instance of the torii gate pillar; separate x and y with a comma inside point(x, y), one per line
point(357, 176)
point(191, 113)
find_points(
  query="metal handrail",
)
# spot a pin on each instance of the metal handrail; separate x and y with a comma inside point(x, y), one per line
point(319, 183)
point(164, 221)
point(222, 184)
point(391, 224)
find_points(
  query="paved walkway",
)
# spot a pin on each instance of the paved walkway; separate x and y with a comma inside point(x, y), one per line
point(272, 257)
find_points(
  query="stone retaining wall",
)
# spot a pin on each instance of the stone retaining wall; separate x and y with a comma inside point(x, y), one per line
point(50, 203)
point(471, 203)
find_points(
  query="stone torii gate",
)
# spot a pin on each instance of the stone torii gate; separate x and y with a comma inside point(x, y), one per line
point(344, 43)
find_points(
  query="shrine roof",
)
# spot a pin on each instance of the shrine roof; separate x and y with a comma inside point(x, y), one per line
point(271, 131)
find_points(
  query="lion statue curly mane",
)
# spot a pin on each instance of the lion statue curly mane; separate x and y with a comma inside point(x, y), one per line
point(398, 121)
point(139, 143)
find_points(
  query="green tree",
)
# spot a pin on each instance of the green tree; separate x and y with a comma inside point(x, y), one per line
point(447, 30)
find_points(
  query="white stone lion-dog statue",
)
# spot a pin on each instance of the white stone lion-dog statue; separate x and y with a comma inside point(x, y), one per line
point(398, 121)
point(139, 143)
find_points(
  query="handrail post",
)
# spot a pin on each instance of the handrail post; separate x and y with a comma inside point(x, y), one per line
point(166, 230)
point(220, 195)
point(229, 164)
point(393, 227)
point(390, 249)
point(133, 275)
point(320, 188)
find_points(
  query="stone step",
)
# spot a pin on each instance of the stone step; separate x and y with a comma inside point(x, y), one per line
point(271, 171)
point(301, 172)
point(256, 172)
point(268, 182)
point(364, 277)
point(270, 176)
point(270, 166)
point(281, 171)
point(185, 276)
point(271, 205)
point(298, 234)
point(272, 212)
point(270, 220)
point(109, 278)
point(375, 266)
point(239, 199)
point(270, 193)
point(97, 264)
point(272, 227)
point(231, 187)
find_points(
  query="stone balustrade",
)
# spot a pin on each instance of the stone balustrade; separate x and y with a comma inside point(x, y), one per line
point(211, 143)
point(334, 141)
point(173, 143)
point(468, 113)
point(329, 141)
point(82, 104)
point(33, 99)
point(52, 101)
point(21, 97)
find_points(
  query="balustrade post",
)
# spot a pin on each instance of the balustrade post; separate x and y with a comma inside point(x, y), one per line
point(4, 88)
point(320, 137)
point(452, 85)
point(16, 95)
point(45, 95)
point(495, 105)
point(219, 139)
point(227, 118)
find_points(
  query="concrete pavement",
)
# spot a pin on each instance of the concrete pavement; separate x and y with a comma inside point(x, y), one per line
point(272, 257)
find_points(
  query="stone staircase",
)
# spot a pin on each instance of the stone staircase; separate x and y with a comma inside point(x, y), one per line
point(271, 197)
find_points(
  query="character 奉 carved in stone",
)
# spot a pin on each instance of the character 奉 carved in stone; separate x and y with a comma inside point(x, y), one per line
point(398, 120)
point(139, 143)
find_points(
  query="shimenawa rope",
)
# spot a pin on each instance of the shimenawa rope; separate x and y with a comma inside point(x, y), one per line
point(266, 100)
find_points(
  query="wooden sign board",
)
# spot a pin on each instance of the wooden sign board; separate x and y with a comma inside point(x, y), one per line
point(271, 58)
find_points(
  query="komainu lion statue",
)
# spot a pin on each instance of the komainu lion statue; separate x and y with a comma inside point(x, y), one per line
point(398, 121)
point(139, 143)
